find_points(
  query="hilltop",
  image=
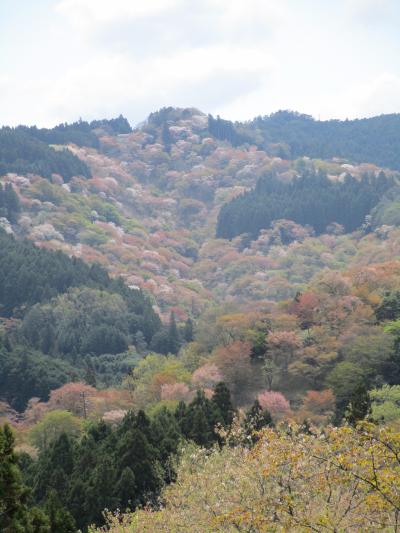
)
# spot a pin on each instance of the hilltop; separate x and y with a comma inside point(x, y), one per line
point(144, 203)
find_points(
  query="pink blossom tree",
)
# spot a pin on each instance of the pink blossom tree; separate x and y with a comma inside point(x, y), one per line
point(275, 402)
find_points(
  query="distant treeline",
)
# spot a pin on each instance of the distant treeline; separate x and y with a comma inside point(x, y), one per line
point(373, 140)
point(311, 199)
point(26, 149)
point(225, 130)
point(79, 133)
point(290, 135)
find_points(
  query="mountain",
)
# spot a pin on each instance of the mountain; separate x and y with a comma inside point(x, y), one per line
point(370, 140)
point(149, 209)
point(156, 282)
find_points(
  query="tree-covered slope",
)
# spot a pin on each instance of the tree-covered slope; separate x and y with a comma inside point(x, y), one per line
point(312, 199)
point(56, 312)
point(374, 140)
point(27, 149)
point(289, 321)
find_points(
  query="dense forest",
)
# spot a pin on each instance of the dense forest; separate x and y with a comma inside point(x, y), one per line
point(26, 149)
point(64, 310)
point(79, 133)
point(374, 140)
point(121, 467)
point(23, 153)
point(143, 360)
point(290, 135)
point(311, 199)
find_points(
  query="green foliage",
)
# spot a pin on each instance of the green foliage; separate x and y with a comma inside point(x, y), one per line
point(52, 426)
point(222, 402)
point(82, 321)
point(344, 380)
point(100, 317)
point(359, 406)
point(199, 419)
point(60, 520)
point(23, 153)
point(311, 199)
point(15, 514)
point(168, 339)
point(9, 203)
point(256, 419)
point(25, 373)
point(106, 468)
point(389, 308)
point(226, 131)
point(386, 403)
point(124, 467)
point(375, 140)
point(29, 274)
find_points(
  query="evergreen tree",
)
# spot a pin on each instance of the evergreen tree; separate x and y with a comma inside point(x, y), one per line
point(222, 402)
point(165, 435)
point(188, 330)
point(180, 414)
point(166, 137)
point(77, 501)
point(140, 342)
point(125, 489)
point(311, 199)
point(100, 491)
point(90, 373)
point(61, 520)
point(256, 419)
point(199, 420)
point(135, 452)
point(174, 342)
point(359, 406)
point(15, 516)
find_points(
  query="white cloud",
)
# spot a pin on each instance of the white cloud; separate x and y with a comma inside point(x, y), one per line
point(88, 14)
point(380, 95)
point(236, 58)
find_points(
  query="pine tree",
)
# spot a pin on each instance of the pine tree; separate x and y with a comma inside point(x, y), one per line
point(222, 401)
point(173, 336)
point(100, 490)
point(359, 406)
point(188, 330)
point(125, 489)
point(140, 342)
point(61, 520)
point(256, 419)
point(15, 516)
point(135, 452)
point(200, 420)
point(76, 502)
point(11, 203)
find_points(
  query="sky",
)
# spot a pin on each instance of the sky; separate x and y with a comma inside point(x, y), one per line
point(61, 60)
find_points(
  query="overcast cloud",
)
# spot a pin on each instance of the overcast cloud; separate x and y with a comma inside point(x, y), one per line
point(65, 59)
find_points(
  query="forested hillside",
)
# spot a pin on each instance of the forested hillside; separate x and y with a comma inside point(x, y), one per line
point(310, 200)
point(57, 314)
point(170, 291)
point(373, 140)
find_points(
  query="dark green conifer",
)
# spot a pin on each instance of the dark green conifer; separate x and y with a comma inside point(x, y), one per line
point(359, 406)
point(222, 402)
point(173, 336)
point(125, 489)
point(61, 521)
